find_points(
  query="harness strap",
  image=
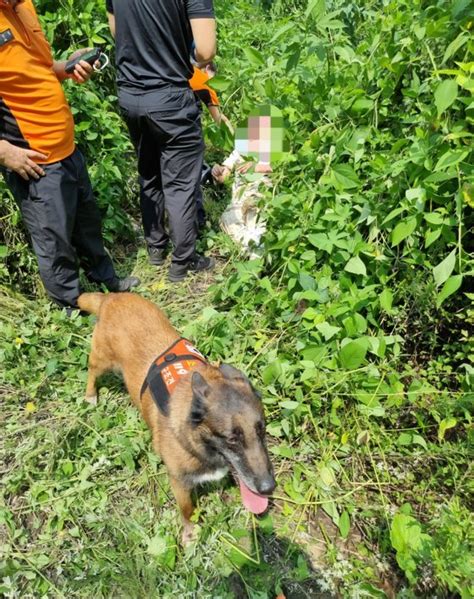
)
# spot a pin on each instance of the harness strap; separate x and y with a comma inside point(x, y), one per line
point(166, 371)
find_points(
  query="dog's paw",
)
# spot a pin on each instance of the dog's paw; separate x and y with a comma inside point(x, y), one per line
point(91, 399)
point(189, 534)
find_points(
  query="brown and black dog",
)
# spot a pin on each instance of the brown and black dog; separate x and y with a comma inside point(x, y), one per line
point(215, 420)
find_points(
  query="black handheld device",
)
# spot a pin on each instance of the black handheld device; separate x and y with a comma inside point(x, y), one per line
point(206, 174)
point(91, 56)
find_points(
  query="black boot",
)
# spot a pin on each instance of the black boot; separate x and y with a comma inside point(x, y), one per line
point(157, 256)
point(121, 285)
point(178, 272)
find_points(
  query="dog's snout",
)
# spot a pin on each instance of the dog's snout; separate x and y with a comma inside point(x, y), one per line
point(266, 485)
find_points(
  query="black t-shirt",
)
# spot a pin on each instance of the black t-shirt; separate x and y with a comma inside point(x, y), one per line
point(154, 39)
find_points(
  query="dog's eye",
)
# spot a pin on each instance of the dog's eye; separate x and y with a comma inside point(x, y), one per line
point(236, 436)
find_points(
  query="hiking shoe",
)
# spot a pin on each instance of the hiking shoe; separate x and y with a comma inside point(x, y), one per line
point(178, 272)
point(157, 256)
point(122, 285)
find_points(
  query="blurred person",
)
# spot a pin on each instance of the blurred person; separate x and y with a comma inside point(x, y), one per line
point(241, 219)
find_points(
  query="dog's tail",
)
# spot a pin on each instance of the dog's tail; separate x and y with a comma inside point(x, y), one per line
point(91, 302)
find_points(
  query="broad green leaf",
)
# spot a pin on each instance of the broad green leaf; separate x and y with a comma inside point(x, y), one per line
point(355, 325)
point(445, 94)
point(450, 287)
point(460, 8)
point(51, 366)
point(444, 269)
point(344, 524)
point(345, 176)
point(445, 425)
point(163, 549)
point(416, 193)
point(254, 57)
point(306, 281)
point(356, 266)
point(450, 158)
point(392, 214)
point(432, 236)
point(310, 314)
point(468, 194)
point(411, 439)
point(156, 545)
point(321, 241)
point(386, 300)
point(316, 8)
point(280, 32)
point(271, 372)
point(289, 405)
point(419, 440)
point(434, 218)
point(327, 330)
point(403, 230)
point(372, 591)
point(345, 52)
point(209, 313)
point(3, 251)
point(362, 105)
point(219, 83)
point(327, 476)
point(405, 439)
point(454, 46)
point(353, 354)
point(408, 540)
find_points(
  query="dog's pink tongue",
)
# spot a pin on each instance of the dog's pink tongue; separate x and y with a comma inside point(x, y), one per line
point(255, 503)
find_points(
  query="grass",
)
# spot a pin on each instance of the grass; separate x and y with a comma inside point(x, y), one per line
point(373, 446)
point(86, 506)
point(87, 510)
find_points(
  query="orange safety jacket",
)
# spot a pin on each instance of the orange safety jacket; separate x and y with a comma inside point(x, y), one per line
point(34, 112)
point(198, 84)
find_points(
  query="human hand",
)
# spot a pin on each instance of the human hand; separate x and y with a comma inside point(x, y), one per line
point(220, 173)
point(83, 70)
point(244, 168)
point(21, 160)
point(263, 167)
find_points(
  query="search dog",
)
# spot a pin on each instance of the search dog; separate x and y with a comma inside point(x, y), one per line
point(213, 420)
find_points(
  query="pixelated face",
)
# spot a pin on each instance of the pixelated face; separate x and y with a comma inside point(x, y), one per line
point(262, 135)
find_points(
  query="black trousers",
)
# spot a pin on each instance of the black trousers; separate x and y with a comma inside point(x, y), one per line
point(165, 127)
point(64, 222)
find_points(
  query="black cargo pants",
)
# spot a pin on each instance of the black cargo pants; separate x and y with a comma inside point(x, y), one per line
point(165, 127)
point(64, 223)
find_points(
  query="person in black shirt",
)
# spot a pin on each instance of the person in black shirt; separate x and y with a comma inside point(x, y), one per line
point(153, 44)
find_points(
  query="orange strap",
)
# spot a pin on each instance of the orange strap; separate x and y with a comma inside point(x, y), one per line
point(168, 369)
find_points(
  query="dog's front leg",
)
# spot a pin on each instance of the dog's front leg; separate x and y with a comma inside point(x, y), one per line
point(185, 503)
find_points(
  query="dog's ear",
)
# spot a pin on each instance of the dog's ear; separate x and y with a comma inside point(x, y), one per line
point(231, 373)
point(201, 390)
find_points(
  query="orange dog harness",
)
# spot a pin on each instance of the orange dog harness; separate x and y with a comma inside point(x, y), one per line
point(167, 370)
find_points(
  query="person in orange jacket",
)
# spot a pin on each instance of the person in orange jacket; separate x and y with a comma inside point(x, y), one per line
point(41, 165)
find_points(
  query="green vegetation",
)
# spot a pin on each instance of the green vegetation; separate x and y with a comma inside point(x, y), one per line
point(355, 324)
